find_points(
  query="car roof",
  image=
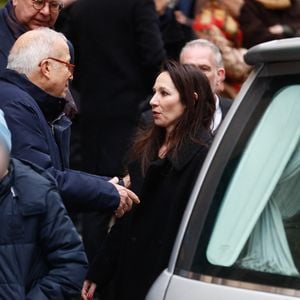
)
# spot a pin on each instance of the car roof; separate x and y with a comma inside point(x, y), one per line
point(274, 51)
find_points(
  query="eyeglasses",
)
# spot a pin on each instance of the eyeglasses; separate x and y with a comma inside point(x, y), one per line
point(70, 67)
point(54, 6)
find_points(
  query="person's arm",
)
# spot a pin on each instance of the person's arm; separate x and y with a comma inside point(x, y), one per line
point(103, 266)
point(79, 190)
point(64, 254)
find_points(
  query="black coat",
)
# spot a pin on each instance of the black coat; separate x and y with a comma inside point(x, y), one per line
point(118, 51)
point(139, 246)
point(40, 134)
point(225, 105)
point(41, 255)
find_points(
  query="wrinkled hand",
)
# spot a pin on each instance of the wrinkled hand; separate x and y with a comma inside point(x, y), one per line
point(88, 290)
point(127, 198)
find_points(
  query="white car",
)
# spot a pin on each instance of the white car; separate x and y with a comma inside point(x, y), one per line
point(240, 234)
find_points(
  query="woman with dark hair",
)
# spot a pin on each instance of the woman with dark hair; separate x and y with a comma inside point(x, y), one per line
point(164, 163)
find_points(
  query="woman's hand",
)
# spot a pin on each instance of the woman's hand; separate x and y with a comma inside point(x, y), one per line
point(88, 290)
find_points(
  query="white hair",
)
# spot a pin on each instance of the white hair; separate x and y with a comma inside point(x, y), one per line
point(25, 57)
point(206, 43)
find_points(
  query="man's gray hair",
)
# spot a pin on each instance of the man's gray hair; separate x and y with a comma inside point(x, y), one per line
point(25, 57)
point(206, 43)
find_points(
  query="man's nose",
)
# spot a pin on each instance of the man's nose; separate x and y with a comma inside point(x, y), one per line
point(46, 9)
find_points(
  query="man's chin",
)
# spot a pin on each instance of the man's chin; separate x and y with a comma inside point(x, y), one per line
point(36, 25)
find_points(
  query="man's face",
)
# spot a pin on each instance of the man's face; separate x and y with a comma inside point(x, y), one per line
point(31, 17)
point(59, 72)
point(203, 58)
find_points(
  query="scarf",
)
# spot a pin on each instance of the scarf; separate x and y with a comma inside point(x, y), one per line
point(10, 17)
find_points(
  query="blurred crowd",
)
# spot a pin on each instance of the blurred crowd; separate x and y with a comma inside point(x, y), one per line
point(145, 85)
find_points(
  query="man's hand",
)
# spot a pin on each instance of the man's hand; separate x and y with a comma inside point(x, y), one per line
point(127, 198)
point(88, 290)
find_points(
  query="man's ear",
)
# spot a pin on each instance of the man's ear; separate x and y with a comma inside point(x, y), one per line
point(45, 68)
point(221, 75)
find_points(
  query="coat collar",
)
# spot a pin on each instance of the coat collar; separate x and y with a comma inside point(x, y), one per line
point(189, 149)
point(52, 107)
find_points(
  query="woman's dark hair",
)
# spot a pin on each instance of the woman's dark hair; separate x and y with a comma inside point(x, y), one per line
point(197, 116)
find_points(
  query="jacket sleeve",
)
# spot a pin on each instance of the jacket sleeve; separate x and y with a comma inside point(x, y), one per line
point(105, 263)
point(80, 191)
point(64, 254)
point(149, 41)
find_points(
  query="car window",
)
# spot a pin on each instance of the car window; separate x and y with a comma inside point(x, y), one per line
point(261, 197)
point(245, 224)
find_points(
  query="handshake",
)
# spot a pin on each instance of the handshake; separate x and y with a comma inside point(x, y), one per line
point(127, 197)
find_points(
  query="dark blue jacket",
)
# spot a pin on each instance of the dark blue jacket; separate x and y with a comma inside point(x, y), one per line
point(40, 134)
point(41, 255)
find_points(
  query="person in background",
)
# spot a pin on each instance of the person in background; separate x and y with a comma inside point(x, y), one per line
point(32, 91)
point(164, 163)
point(119, 50)
point(174, 34)
point(266, 20)
point(216, 21)
point(19, 16)
point(207, 56)
point(41, 254)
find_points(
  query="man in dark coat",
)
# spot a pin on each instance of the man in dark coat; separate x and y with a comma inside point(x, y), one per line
point(32, 91)
point(16, 19)
point(207, 56)
point(42, 256)
point(118, 53)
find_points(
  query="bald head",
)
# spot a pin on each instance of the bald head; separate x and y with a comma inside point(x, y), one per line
point(43, 56)
point(207, 56)
point(32, 47)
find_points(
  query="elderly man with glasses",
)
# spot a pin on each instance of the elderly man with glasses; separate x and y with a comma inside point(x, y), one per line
point(32, 91)
point(19, 16)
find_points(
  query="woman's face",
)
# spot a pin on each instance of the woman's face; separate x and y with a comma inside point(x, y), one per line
point(166, 105)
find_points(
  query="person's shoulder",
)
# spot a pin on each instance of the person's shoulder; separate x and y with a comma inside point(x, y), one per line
point(12, 93)
point(32, 184)
point(225, 104)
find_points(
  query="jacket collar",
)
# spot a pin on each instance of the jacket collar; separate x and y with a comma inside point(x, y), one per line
point(52, 107)
point(189, 149)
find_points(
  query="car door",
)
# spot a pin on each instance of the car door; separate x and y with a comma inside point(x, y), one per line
point(240, 236)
